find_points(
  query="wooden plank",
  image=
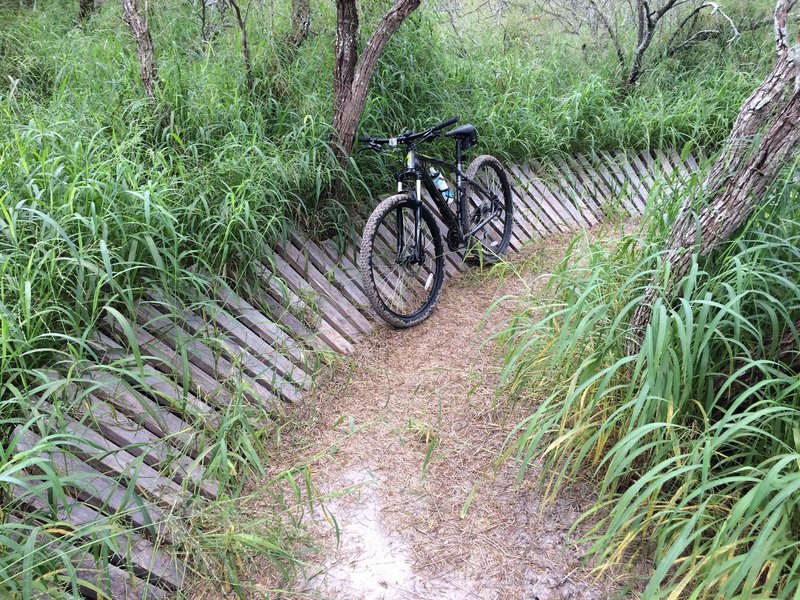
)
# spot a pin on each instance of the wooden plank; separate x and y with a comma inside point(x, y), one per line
point(550, 210)
point(146, 412)
point(113, 582)
point(549, 219)
point(158, 386)
point(170, 362)
point(177, 337)
point(329, 312)
point(261, 349)
point(323, 337)
point(533, 227)
point(101, 491)
point(591, 181)
point(648, 173)
point(284, 304)
point(110, 459)
point(261, 372)
point(138, 441)
point(136, 553)
point(608, 183)
point(633, 177)
point(559, 199)
point(523, 226)
point(626, 187)
point(692, 163)
point(349, 285)
point(575, 189)
point(263, 326)
point(320, 283)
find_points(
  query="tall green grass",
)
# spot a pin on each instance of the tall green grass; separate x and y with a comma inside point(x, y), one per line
point(694, 440)
point(103, 199)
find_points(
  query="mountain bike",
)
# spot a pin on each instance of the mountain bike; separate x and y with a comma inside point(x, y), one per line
point(402, 257)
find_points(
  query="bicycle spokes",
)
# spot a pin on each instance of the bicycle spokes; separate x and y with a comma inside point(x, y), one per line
point(403, 272)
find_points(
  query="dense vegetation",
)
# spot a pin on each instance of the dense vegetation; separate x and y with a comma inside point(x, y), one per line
point(103, 196)
point(693, 439)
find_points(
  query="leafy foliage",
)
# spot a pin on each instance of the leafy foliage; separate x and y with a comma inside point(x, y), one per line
point(694, 440)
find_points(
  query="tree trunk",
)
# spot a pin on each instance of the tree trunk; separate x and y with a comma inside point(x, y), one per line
point(144, 47)
point(248, 64)
point(738, 179)
point(351, 77)
point(85, 9)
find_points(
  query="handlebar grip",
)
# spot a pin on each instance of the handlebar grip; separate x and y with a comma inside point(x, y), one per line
point(363, 139)
point(446, 123)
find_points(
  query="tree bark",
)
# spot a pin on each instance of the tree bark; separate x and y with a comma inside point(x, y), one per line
point(248, 64)
point(351, 77)
point(739, 179)
point(144, 47)
point(85, 9)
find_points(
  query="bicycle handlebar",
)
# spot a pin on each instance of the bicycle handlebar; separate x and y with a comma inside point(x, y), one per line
point(407, 136)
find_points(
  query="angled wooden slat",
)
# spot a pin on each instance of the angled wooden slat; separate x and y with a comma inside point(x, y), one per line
point(261, 349)
point(691, 162)
point(329, 311)
point(678, 164)
point(157, 385)
point(285, 305)
point(165, 329)
point(143, 410)
point(609, 185)
point(587, 176)
point(263, 326)
point(259, 370)
point(103, 492)
point(334, 272)
point(109, 459)
point(136, 553)
point(582, 198)
point(632, 176)
point(170, 362)
point(624, 185)
point(92, 575)
point(644, 165)
point(522, 219)
point(317, 279)
point(534, 201)
point(550, 210)
point(533, 227)
point(135, 439)
point(559, 201)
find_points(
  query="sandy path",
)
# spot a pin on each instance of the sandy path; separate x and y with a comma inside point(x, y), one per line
point(424, 427)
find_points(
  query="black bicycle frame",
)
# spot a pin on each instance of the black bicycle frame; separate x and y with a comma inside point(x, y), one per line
point(416, 170)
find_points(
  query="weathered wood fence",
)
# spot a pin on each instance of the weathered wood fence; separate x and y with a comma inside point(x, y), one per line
point(145, 443)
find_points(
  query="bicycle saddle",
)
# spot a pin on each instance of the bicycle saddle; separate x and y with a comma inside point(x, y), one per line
point(467, 134)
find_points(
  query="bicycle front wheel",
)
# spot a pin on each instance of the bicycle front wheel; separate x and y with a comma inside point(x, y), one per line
point(401, 278)
point(487, 211)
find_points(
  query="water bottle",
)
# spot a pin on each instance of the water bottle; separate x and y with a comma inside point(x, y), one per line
point(441, 184)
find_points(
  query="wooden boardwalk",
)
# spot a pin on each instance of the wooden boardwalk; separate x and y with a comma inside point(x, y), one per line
point(143, 445)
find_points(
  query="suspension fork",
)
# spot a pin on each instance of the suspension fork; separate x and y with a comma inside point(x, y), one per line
point(411, 169)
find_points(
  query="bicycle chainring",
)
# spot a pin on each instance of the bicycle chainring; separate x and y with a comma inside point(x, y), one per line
point(453, 240)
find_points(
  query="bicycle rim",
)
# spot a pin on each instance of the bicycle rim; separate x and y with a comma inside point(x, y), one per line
point(490, 199)
point(404, 283)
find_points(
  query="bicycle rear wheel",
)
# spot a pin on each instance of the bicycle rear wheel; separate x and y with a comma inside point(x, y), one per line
point(487, 200)
point(401, 285)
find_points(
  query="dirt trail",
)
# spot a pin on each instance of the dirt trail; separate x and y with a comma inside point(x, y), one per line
point(425, 428)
